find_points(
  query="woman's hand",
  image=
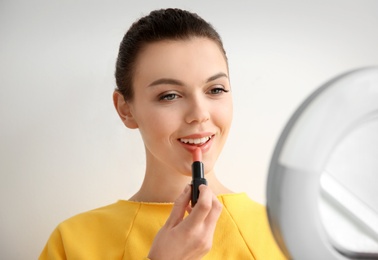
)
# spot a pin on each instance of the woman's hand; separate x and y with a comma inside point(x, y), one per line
point(192, 237)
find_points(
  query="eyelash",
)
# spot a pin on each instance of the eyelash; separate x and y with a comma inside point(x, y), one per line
point(172, 96)
point(165, 97)
point(219, 91)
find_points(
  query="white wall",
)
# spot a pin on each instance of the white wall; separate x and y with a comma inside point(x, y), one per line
point(63, 149)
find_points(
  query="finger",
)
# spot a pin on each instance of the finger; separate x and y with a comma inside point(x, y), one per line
point(216, 210)
point(179, 208)
point(189, 209)
point(203, 205)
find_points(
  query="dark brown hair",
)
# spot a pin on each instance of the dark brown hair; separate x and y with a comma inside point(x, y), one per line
point(164, 24)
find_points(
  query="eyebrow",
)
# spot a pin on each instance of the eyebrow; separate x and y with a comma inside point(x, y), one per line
point(170, 81)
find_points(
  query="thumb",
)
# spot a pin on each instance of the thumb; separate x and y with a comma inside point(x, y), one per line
point(179, 208)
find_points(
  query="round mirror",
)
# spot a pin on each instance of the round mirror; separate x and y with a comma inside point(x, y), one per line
point(322, 198)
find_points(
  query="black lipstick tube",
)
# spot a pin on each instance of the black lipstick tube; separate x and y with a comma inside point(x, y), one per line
point(197, 179)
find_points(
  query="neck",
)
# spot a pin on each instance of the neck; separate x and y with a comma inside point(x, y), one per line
point(162, 186)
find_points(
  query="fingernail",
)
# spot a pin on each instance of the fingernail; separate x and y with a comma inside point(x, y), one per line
point(187, 188)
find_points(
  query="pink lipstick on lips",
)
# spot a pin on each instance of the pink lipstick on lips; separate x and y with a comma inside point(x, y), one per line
point(197, 175)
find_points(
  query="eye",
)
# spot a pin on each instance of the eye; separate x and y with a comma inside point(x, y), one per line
point(168, 97)
point(218, 91)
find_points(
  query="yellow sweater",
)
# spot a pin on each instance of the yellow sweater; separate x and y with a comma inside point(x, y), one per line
point(126, 229)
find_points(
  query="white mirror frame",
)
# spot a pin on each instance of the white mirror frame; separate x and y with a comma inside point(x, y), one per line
point(293, 186)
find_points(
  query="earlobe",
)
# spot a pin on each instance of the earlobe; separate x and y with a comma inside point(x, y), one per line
point(124, 110)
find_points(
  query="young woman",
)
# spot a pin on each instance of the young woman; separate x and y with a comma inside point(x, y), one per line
point(173, 85)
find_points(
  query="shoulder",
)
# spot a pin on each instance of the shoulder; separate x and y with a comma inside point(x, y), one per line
point(113, 214)
point(246, 213)
point(114, 222)
point(104, 220)
point(252, 221)
point(240, 205)
point(93, 233)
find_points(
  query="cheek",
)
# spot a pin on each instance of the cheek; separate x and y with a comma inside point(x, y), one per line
point(224, 115)
point(158, 124)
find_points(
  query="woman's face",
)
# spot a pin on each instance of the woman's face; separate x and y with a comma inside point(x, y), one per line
point(182, 100)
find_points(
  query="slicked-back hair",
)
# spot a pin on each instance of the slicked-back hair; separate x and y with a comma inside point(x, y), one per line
point(159, 25)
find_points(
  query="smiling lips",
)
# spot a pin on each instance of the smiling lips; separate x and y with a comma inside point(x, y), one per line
point(203, 141)
point(195, 141)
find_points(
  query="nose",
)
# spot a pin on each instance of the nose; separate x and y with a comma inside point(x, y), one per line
point(197, 111)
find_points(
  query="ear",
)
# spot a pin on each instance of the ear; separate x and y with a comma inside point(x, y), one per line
point(124, 110)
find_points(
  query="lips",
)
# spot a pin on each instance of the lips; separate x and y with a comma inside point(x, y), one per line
point(196, 141)
point(203, 141)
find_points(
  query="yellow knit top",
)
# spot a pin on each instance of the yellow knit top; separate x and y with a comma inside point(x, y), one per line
point(126, 229)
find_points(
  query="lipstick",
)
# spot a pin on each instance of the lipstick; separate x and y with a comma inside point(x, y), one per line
point(197, 175)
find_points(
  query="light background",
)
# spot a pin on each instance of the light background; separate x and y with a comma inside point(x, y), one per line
point(63, 149)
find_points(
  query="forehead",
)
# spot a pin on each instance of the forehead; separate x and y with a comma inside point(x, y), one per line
point(189, 59)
